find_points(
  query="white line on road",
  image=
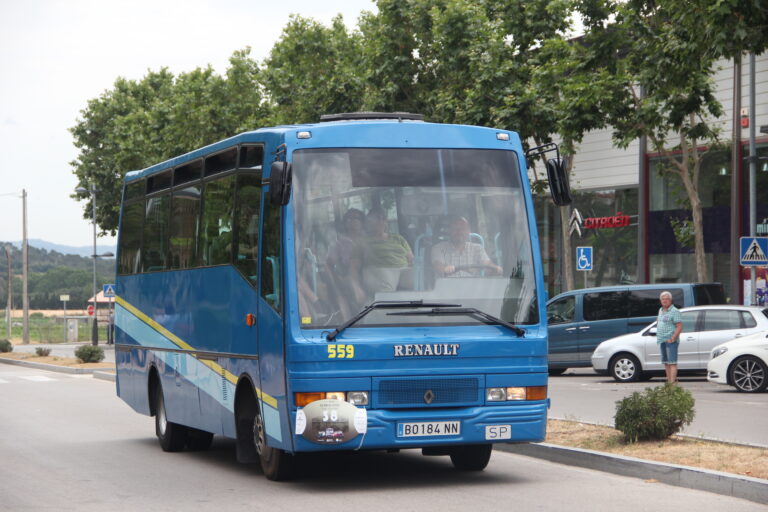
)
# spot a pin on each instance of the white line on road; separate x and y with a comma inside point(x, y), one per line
point(37, 378)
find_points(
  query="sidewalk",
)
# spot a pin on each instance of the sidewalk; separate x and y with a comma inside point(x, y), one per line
point(66, 349)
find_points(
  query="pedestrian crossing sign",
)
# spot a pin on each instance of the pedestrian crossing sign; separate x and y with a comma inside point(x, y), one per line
point(754, 251)
point(109, 290)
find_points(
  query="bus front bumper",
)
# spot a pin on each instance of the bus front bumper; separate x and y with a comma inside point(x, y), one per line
point(419, 428)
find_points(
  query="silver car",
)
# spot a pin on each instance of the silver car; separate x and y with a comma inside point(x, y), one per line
point(636, 356)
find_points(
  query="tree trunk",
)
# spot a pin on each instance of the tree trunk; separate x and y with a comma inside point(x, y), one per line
point(565, 213)
point(698, 228)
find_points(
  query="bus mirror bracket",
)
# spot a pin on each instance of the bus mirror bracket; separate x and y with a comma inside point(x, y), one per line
point(280, 183)
point(556, 175)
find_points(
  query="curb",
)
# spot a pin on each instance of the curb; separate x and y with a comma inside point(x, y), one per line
point(727, 484)
point(50, 367)
point(105, 375)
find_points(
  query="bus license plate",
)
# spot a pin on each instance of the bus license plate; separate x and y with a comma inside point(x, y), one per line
point(431, 428)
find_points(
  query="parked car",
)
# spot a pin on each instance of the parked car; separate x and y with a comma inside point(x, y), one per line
point(741, 363)
point(580, 319)
point(637, 356)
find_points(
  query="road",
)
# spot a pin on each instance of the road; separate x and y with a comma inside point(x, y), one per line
point(68, 443)
point(721, 411)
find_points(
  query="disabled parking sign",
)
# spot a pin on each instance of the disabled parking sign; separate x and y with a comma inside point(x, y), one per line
point(754, 251)
point(584, 258)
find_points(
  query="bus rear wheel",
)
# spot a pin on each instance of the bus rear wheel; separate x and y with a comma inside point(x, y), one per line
point(471, 457)
point(276, 464)
point(172, 436)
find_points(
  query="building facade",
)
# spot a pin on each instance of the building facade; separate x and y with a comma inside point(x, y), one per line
point(629, 206)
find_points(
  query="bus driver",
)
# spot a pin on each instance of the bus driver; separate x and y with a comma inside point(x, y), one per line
point(458, 257)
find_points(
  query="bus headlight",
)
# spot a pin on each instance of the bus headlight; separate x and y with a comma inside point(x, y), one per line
point(353, 397)
point(516, 393)
point(357, 397)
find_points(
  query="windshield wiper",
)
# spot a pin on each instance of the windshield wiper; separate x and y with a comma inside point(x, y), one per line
point(386, 305)
point(465, 311)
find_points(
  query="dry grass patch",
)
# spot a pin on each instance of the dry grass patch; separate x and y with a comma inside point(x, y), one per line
point(59, 361)
point(725, 457)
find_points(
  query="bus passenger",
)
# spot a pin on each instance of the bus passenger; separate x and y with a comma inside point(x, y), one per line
point(458, 257)
point(379, 257)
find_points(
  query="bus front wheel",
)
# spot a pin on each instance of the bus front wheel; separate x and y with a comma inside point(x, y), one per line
point(471, 457)
point(276, 464)
point(172, 436)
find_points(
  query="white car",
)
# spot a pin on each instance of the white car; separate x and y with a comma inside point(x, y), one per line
point(636, 356)
point(741, 363)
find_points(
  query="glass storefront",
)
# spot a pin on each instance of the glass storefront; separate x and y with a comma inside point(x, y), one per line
point(610, 228)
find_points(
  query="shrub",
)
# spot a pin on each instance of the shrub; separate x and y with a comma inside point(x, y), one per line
point(42, 351)
point(90, 353)
point(655, 414)
point(6, 346)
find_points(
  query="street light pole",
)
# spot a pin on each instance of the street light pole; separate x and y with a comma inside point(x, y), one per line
point(95, 332)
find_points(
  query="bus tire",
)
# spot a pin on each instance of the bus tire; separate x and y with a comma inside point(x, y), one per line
point(471, 457)
point(198, 440)
point(275, 463)
point(172, 436)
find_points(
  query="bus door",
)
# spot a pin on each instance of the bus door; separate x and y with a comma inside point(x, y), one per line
point(271, 330)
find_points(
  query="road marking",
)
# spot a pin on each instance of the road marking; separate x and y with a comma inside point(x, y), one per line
point(38, 378)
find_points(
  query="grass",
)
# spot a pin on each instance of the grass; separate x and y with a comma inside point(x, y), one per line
point(685, 451)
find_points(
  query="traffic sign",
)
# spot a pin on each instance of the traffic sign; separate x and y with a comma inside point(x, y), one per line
point(109, 290)
point(90, 310)
point(584, 258)
point(754, 251)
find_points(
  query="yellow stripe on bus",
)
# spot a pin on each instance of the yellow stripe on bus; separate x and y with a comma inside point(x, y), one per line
point(217, 368)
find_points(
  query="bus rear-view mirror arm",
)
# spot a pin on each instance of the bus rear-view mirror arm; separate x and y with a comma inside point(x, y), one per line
point(280, 176)
point(556, 175)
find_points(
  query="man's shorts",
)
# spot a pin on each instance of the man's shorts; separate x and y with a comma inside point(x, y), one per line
point(669, 352)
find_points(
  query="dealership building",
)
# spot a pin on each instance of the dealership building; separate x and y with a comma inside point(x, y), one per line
point(627, 206)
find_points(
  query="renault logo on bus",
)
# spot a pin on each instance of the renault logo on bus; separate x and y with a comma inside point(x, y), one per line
point(433, 349)
point(429, 396)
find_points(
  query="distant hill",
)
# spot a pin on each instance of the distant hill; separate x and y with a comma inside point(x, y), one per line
point(85, 251)
point(52, 273)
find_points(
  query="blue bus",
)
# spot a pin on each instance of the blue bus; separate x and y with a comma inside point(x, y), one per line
point(371, 281)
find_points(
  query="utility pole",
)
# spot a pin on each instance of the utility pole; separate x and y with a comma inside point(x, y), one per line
point(25, 268)
point(752, 174)
point(9, 302)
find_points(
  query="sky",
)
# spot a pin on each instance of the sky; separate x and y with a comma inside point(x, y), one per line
point(55, 55)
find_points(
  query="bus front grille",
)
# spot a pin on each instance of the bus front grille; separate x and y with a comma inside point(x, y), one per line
point(428, 392)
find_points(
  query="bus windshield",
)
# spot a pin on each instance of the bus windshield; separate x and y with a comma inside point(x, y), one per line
point(438, 225)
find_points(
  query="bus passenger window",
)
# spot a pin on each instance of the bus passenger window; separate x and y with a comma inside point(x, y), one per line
point(270, 257)
point(156, 233)
point(215, 245)
point(130, 238)
point(185, 209)
point(247, 215)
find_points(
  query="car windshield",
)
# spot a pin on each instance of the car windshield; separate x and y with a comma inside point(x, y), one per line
point(438, 225)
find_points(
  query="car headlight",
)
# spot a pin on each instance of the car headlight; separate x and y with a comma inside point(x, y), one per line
point(719, 351)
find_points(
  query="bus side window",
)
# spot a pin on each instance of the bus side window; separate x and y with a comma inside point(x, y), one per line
point(247, 216)
point(185, 214)
point(130, 238)
point(215, 245)
point(156, 224)
point(271, 257)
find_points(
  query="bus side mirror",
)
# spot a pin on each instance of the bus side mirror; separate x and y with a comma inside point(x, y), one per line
point(558, 182)
point(280, 183)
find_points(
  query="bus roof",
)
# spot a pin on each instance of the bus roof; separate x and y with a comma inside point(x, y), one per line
point(374, 132)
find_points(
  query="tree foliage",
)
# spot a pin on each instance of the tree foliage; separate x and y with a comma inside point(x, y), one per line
point(314, 70)
point(141, 122)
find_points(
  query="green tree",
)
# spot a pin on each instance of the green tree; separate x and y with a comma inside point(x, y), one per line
point(314, 70)
point(141, 122)
point(461, 61)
